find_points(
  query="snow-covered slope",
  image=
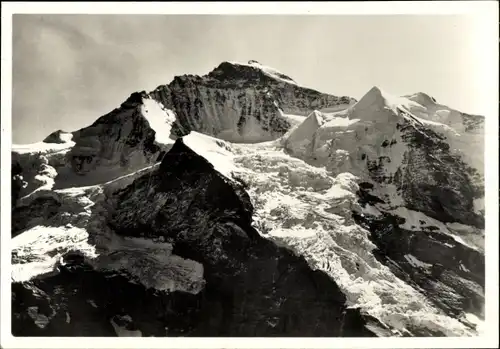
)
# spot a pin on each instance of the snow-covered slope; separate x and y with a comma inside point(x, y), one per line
point(129, 138)
point(226, 204)
point(236, 102)
point(269, 71)
point(380, 140)
point(310, 210)
point(419, 179)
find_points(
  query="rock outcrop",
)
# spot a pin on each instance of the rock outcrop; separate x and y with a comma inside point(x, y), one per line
point(208, 219)
point(240, 102)
point(451, 273)
point(117, 143)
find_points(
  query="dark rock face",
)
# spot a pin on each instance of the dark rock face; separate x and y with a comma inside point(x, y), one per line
point(472, 122)
point(37, 212)
point(25, 168)
point(435, 182)
point(55, 137)
point(451, 275)
point(431, 179)
point(17, 183)
point(235, 97)
point(116, 144)
point(253, 287)
point(80, 301)
point(113, 138)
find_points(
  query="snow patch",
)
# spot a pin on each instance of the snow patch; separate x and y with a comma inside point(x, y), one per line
point(414, 261)
point(477, 322)
point(478, 204)
point(462, 228)
point(41, 249)
point(292, 118)
point(216, 151)
point(66, 137)
point(463, 268)
point(293, 232)
point(123, 181)
point(42, 147)
point(160, 119)
point(371, 210)
point(152, 264)
point(417, 221)
point(269, 71)
point(460, 240)
point(340, 122)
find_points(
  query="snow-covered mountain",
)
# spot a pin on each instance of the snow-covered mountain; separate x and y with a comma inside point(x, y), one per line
point(235, 102)
point(241, 102)
point(227, 204)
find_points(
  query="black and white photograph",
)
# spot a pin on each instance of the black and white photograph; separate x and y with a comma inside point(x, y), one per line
point(243, 175)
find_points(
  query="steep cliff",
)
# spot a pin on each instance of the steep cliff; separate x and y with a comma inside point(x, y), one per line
point(127, 139)
point(122, 141)
point(85, 287)
point(240, 102)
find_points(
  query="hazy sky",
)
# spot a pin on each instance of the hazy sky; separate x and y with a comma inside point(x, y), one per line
point(70, 69)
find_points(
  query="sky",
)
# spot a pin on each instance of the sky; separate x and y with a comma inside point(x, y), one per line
point(68, 70)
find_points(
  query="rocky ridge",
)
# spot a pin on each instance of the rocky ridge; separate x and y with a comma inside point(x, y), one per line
point(366, 217)
point(236, 102)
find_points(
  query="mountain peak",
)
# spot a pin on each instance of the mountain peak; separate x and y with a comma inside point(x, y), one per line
point(376, 92)
point(248, 70)
point(184, 158)
point(375, 96)
point(58, 137)
point(422, 98)
point(165, 194)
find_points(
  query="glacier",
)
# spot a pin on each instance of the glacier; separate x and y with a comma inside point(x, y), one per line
point(204, 187)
